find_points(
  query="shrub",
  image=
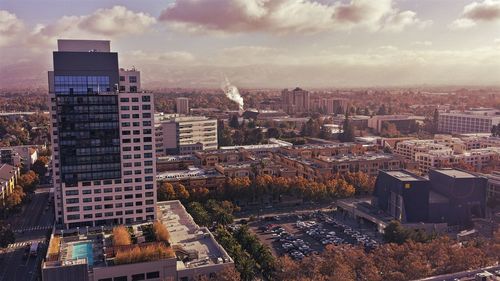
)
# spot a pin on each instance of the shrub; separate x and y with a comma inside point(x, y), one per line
point(143, 254)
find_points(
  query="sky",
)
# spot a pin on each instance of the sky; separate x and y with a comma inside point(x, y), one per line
point(263, 43)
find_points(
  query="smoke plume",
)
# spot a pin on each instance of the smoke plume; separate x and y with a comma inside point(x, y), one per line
point(232, 92)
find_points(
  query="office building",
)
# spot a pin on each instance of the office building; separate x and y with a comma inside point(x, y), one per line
point(182, 106)
point(190, 254)
point(493, 192)
point(295, 101)
point(8, 180)
point(102, 140)
point(476, 120)
point(403, 123)
point(447, 196)
point(184, 135)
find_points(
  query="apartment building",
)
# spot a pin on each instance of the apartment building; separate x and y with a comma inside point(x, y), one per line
point(182, 106)
point(184, 135)
point(309, 151)
point(130, 80)
point(8, 179)
point(445, 151)
point(295, 101)
point(102, 140)
point(477, 158)
point(329, 105)
point(192, 252)
point(478, 120)
point(193, 177)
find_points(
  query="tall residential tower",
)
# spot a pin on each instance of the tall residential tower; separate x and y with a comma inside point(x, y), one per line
point(102, 139)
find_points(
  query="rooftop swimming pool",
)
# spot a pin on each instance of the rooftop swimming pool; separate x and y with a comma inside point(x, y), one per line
point(83, 250)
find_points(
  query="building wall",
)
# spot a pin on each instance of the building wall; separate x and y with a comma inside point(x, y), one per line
point(494, 186)
point(182, 105)
point(130, 81)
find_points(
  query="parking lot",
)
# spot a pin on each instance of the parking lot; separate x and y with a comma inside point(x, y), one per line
point(307, 234)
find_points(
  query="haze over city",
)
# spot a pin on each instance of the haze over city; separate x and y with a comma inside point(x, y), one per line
point(257, 43)
point(250, 140)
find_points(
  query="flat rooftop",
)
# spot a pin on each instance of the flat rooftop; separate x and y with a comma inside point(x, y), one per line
point(404, 175)
point(191, 172)
point(455, 173)
point(186, 235)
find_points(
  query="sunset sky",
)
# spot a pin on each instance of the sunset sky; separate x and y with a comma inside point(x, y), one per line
point(264, 43)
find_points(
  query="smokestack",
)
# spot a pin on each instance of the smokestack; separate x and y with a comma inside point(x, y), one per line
point(232, 93)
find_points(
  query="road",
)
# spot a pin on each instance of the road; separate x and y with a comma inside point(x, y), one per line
point(31, 225)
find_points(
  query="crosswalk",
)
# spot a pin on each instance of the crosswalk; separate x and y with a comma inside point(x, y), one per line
point(24, 243)
point(33, 228)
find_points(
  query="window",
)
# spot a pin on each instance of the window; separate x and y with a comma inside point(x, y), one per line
point(137, 277)
point(146, 98)
point(152, 275)
point(146, 107)
point(122, 78)
point(124, 99)
point(132, 79)
point(135, 99)
point(71, 192)
point(121, 278)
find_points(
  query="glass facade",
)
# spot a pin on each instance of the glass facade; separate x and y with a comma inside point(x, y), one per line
point(89, 140)
point(80, 85)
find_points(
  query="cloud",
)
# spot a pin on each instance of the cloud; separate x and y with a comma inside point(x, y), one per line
point(109, 23)
point(475, 12)
point(284, 16)
point(10, 27)
point(398, 21)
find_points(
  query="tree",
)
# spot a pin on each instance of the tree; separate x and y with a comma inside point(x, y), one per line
point(40, 166)
point(274, 132)
point(199, 213)
point(166, 192)
point(228, 274)
point(6, 237)
point(28, 181)
point(382, 110)
point(121, 236)
point(224, 137)
point(181, 192)
point(347, 134)
point(15, 198)
point(234, 122)
point(435, 121)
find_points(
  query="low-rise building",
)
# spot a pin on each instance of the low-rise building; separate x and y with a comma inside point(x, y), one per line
point(403, 123)
point(8, 180)
point(176, 162)
point(20, 156)
point(193, 177)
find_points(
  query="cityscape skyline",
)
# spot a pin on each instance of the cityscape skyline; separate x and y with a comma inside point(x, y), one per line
point(260, 44)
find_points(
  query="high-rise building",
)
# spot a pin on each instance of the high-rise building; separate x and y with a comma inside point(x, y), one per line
point(476, 120)
point(102, 139)
point(295, 101)
point(185, 135)
point(182, 105)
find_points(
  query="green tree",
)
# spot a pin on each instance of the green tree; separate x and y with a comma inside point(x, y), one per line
point(40, 166)
point(347, 134)
point(234, 122)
